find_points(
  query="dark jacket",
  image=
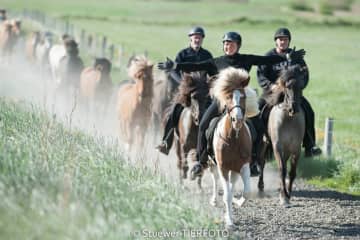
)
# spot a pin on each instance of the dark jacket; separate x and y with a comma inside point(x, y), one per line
point(192, 56)
point(214, 65)
point(269, 73)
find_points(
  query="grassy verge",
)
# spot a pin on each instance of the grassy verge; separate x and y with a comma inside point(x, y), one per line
point(57, 183)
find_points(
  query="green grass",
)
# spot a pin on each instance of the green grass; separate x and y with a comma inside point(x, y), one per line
point(57, 183)
point(160, 28)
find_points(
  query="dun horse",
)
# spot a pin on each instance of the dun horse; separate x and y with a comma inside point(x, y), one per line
point(96, 86)
point(286, 126)
point(232, 140)
point(134, 102)
point(193, 95)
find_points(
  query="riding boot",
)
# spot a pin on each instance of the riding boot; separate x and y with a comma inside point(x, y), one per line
point(260, 130)
point(170, 125)
point(309, 137)
point(201, 147)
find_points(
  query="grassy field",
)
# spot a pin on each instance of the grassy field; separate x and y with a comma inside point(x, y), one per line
point(331, 42)
point(57, 183)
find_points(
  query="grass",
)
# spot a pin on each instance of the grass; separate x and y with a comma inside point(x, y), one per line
point(160, 28)
point(57, 183)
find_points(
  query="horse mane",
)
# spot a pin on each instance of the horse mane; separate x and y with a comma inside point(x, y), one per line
point(137, 66)
point(190, 83)
point(276, 95)
point(229, 79)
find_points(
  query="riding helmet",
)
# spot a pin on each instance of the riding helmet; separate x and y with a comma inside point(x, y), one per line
point(197, 30)
point(232, 37)
point(282, 32)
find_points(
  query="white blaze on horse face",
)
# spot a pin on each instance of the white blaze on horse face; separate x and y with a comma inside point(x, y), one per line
point(236, 114)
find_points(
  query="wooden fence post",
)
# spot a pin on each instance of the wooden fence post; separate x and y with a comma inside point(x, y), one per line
point(103, 47)
point(111, 52)
point(329, 124)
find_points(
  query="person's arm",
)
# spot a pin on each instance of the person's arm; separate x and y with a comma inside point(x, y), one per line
point(262, 77)
point(207, 65)
point(305, 68)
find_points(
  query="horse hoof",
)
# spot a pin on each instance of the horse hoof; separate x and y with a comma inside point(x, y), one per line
point(239, 202)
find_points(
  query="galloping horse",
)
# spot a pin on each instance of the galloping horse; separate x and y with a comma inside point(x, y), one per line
point(134, 102)
point(286, 126)
point(30, 45)
point(232, 140)
point(42, 50)
point(9, 35)
point(165, 88)
point(96, 86)
point(56, 53)
point(193, 95)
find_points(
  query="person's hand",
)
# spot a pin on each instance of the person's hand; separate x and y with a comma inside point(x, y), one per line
point(167, 65)
point(295, 56)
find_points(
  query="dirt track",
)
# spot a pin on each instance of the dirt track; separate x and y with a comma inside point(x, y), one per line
point(315, 213)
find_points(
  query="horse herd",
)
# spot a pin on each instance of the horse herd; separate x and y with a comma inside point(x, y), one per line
point(141, 104)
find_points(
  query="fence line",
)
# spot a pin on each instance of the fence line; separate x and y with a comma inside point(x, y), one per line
point(93, 44)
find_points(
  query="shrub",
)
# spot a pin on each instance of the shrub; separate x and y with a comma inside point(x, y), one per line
point(301, 5)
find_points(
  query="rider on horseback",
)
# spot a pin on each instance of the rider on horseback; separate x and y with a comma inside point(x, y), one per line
point(267, 76)
point(193, 53)
point(231, 45)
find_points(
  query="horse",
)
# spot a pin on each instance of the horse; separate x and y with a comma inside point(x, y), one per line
point(193, 94)
point(134, 102)
point(165, 88)
point(286, 126)
point(9, 35)
point(232, 143)
point(96, 86)
point(42, 50)
point(30, 45)
point(56, 53)
point(70, 68)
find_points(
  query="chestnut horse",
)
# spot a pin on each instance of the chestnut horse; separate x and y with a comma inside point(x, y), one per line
point(232, 140)
point(134, 102)
point(286, 126)
point(9, 35)
point(194, 96)
point(96, 86)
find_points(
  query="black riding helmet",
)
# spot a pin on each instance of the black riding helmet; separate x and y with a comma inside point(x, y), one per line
point(232, 37)
point(197, 30)
point(282, 32)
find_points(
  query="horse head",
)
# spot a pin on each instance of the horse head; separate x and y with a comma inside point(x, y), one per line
point(141, 70)
point(229, 89)
point(102, 65)
point(71, 47)
point(291, 82)
point(194, 93)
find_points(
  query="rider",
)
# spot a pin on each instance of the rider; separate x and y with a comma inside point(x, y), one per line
point(267, 76)
point(193, 53)
point(232, 58)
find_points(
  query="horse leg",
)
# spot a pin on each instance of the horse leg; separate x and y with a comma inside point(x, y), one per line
point(214, 177)
point(245, 176)
point(292, 173)
point(227, 197)
point(284, 195)
point(179, 161)
point(261, 158)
